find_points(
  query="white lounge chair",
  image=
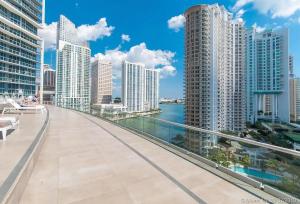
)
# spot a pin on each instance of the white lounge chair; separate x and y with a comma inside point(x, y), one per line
point(16, 106)
point(14, 120)
point(4, 126)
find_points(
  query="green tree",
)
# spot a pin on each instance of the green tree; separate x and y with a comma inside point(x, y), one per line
point(220, 157)
point(295, 174)
point(246, 161)
point(233, 159)
point(272, 164)
point(288, 185)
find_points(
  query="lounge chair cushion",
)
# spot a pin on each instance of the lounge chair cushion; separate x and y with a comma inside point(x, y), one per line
point(5, 123)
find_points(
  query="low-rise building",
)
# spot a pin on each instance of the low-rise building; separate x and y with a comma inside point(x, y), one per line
point(295, 139)
point(109, 110)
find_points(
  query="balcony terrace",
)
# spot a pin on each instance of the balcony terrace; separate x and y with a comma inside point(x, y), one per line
point(84, 159)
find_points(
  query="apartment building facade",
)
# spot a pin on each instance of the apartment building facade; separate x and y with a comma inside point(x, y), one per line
point(140, 87)
point(267, 62)
point(133, 84)
point(152, 89)
point(73, 68)
point(101, 84)
point(20, 46)
point(214, 69)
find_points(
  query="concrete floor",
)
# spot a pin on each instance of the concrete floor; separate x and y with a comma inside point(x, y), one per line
point(18, 141)
point(80, 162)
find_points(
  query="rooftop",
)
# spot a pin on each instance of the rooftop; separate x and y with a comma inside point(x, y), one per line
point(293, 136)
point(87, 160)
point(12, 150)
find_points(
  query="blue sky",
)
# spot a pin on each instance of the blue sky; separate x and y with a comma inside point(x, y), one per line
point(146, 24)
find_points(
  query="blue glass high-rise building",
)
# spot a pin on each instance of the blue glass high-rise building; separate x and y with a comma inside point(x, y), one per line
point(20, 45)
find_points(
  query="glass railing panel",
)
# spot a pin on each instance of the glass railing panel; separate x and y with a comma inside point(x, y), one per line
point(177, 136)
point(157, 129)
point(149, 126)
point(132, 123)
point(286, 170)
point(279, 169)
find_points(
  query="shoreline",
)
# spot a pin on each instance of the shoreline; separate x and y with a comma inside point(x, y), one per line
point(150, 112)
point(171, 103)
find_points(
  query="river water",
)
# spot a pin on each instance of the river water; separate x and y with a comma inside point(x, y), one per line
point(171, 112)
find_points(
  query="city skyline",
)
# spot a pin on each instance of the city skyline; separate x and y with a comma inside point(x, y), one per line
point(123, 35)
point(65, 139)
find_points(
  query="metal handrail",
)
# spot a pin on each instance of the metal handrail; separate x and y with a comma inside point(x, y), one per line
point(248, 141)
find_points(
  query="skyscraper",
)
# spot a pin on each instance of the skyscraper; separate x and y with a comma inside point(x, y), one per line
point(151, 89)
point(239, 77)
point(267, 75)
point(214, 69)
point(140, 87)
point(73, 68)
point(133, 86)
point(19, 45)
point(101, 87)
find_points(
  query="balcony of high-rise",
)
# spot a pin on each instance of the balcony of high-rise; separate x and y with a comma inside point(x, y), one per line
point(65, 156)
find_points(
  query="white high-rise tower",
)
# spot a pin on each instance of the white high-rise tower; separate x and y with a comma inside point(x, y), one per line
point(73, 68)
point(140, 87)
point(151, 89)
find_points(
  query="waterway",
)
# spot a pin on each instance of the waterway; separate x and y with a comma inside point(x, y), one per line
point(171, 112)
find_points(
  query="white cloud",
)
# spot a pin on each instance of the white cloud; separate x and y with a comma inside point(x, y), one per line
point(49, 35)
point(94, 32)
point(167, 71)
point(238, 18)
point(240, 13)
point(176, 23)
point(116, 57)
point(159, 59)
point(259, 29)
point(84, 32)
point(277, 8)
point(125, 38)
point(241, 3)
